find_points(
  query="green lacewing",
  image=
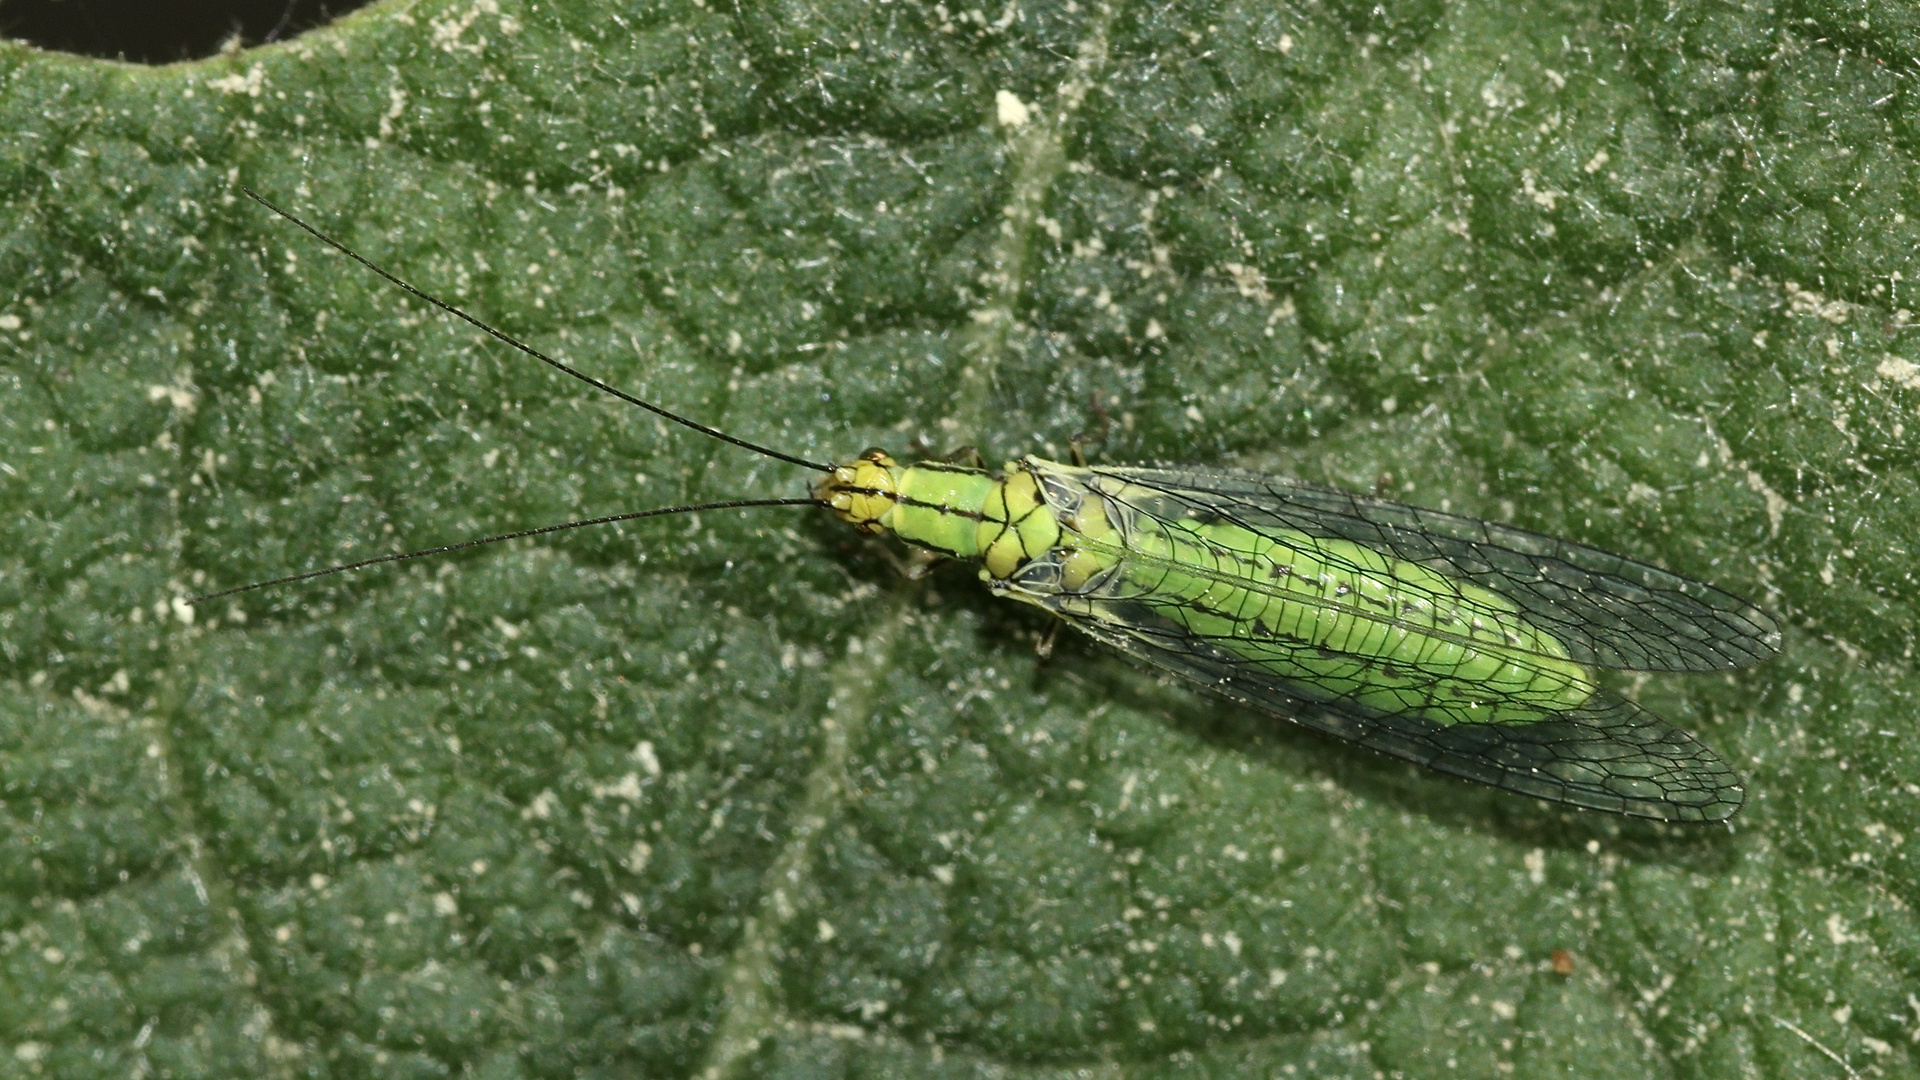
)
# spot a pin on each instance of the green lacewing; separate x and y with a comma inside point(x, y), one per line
point(1461, 645)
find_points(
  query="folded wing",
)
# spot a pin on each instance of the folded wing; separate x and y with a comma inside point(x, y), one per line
point(1609, 610)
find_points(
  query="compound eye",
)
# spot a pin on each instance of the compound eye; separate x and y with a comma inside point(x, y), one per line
point(874, 454)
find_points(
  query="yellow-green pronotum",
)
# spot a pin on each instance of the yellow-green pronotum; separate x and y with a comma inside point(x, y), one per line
point(1462, 645)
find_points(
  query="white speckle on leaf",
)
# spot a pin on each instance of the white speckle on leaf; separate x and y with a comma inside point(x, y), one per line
point(252, 84)
point(627, 787)
point(1839, 933)
point(542, 806)
point(1776, 503)
point(447, 31)
point(180, 397)
point(1536, 865)
point(1248, 281)
point(1807, 302)
point(1546, 198)
point(643, 753)
point(1011, 111)
point(1900, 372)
point(1498, 93)
point(396, 106)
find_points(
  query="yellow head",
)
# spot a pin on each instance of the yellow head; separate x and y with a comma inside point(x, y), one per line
point(861, 492)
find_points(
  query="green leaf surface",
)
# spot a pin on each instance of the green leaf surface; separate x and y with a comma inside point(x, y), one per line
point(729, 796)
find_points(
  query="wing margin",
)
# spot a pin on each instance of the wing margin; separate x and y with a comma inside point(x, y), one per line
point(1609, 755)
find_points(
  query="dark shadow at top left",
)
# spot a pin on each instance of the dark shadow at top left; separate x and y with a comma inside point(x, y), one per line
point(146, 32)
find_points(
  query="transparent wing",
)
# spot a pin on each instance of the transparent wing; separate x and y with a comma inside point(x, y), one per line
point(1608, 755)
point(1608, 610)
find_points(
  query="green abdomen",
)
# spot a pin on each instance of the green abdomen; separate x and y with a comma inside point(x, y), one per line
point(1351, 623)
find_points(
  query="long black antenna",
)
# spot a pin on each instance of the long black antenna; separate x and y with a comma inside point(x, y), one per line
point(536, 353)
point(732, 504)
